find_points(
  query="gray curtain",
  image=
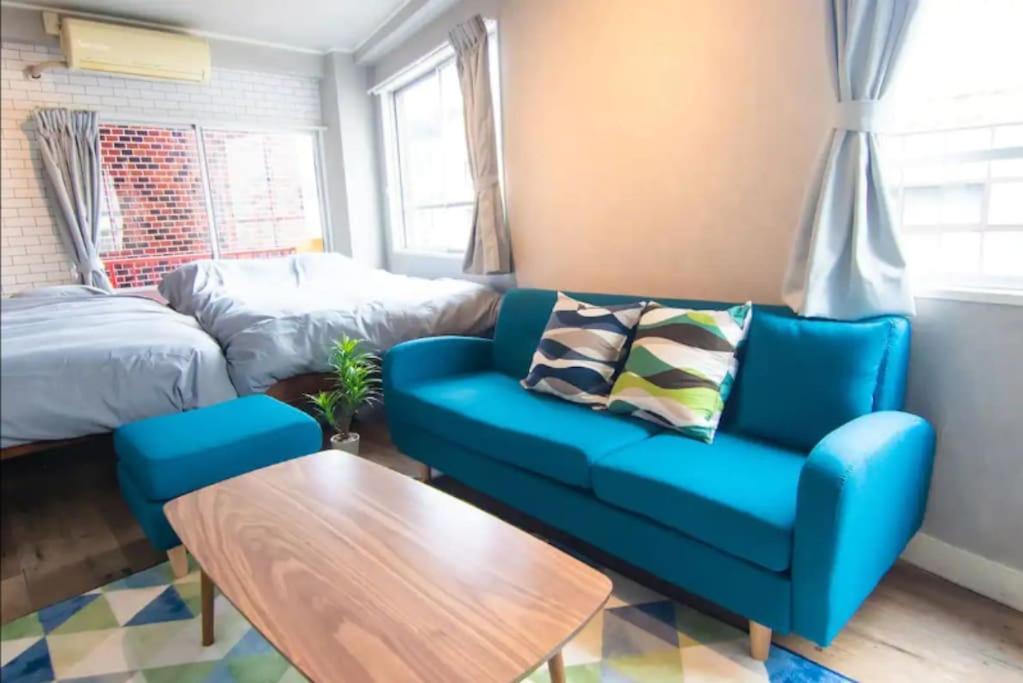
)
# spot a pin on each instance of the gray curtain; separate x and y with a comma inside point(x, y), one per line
point(846, 262)
point(489, 250)
point(69, 146)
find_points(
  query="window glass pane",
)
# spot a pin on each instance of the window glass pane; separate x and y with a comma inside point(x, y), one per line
point(1007, 168)
point(922, 250)
point(1008, 136)
point(154, 209)
point(420, 141)
point(921, 205)
point(951, 205)
point(439, 229)
point(929, 174)
point(1003, 253)
point(924, 144)
point(960, 66)
point(962, 204)
point(264, 192)
point(418, 228)
point(436, 185)
point(968, 140)
point(457, 177)
point(1006, 204)
point(959, 252)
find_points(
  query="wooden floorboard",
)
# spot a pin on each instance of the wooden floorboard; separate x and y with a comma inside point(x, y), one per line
point(65, 530)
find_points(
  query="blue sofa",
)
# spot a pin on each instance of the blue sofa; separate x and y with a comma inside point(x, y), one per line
point(811, 489)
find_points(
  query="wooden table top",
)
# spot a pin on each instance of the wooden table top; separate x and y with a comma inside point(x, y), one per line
point(357, 573)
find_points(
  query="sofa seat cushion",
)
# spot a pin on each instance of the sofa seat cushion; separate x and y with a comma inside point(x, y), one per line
point(736, 495)
point(489, 413)
point(169, 455)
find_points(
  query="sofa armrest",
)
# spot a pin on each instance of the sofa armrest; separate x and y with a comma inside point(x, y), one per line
point(862, 494)
point(424, 359)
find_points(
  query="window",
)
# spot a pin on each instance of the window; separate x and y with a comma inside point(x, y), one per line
point(172, 195)
point(264, 192)
point(430, 189)
point(437, 195)
point(957, 177)
point(154, 210)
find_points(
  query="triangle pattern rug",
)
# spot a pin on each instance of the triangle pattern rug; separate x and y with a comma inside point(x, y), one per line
point(145, 628)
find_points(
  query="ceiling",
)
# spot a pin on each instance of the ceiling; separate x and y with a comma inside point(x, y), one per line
point(318, 25)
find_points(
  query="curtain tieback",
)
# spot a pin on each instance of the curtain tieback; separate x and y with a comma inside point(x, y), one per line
point(486, 181)
point(93, 262)
point(866, 116)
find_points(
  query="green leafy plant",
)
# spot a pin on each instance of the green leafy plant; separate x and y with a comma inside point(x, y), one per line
point(356, 383)
point(325, 403)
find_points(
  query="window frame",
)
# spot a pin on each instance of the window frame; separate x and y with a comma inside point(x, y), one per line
point(198, 129)
point(432, 262)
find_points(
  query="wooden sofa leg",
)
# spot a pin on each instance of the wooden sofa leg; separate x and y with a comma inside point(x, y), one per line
point(759, 641)
point(178, 557)
point(427, 474)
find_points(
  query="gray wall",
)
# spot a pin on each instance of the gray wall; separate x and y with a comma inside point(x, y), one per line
point(966, 377)
point(351, 156)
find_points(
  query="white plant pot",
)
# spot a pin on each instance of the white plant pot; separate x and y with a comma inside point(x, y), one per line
point(349, 444)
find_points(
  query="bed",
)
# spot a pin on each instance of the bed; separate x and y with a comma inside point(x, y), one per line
point(276, 318)
point(78, 361)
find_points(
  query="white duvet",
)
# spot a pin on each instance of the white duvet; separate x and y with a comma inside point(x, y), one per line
point(277, 318)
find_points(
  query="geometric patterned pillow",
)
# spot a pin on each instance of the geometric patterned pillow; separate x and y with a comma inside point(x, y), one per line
point(681, 368)
point(580, 349)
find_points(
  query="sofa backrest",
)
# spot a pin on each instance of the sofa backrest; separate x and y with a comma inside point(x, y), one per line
point(524, 314)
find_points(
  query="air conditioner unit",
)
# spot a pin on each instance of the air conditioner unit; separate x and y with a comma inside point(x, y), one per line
point(131, 51)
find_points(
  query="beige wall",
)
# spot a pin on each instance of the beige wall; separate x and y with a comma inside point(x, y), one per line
point(660, 146)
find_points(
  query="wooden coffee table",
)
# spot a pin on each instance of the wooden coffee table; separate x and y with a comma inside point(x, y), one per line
point(357, 573)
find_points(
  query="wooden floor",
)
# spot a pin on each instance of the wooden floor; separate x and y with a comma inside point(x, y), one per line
point(65, 530)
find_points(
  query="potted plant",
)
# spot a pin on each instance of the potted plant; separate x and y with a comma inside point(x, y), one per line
point(356, 383)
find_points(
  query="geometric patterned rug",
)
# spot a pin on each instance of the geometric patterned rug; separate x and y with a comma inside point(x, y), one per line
point(145, 628)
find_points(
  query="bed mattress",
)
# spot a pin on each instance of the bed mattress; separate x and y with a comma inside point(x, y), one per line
point(277, 318)
point(77, 361)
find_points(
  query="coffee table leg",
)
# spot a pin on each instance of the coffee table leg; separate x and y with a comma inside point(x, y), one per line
point(556, 667)
point(206, 592)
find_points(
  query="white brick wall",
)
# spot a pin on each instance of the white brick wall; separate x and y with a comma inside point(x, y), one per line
point(31, 253)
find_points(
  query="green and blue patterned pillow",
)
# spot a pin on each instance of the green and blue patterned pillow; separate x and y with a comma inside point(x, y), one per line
point(681, 368)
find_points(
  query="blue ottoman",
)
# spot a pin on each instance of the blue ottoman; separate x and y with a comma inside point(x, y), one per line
point(163, 457)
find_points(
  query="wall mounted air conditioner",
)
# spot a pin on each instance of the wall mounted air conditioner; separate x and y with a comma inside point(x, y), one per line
point(132, 51)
